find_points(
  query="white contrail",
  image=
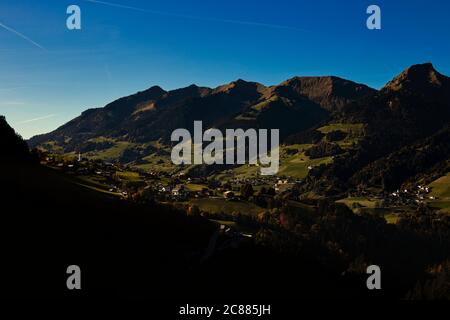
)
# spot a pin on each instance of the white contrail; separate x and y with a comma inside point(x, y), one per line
point(185, 16)
point(37, 119)
point(22, 36)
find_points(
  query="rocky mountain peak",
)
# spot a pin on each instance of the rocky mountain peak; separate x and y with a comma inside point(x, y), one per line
point(417, 77)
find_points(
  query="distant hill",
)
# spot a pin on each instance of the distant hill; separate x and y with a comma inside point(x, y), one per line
point(357, 135)
point(294, 105)
point(405, 130)
point(416, 102)
point(425, 156)
point(332, 93)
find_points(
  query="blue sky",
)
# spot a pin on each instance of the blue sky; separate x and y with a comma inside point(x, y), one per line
point(49, 75)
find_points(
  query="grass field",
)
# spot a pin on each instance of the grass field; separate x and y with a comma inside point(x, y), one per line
point(194, 187)
point(263, 104)
point(302, 206)
point(371, 206)
point(246, 171)
point(443, 205)
point(98, 188)
point(353, 128)
point(293, 163)
point(217, 205)
point(362, 201)
point(110, 154)
point(440, 189)
point(94, 183)
point(159, 161)
point(296, 165)
point(354, 132)
point(128, 175)
point(391, 218)
point(53, 147)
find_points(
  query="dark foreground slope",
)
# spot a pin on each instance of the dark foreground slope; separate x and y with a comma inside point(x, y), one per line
point(12, 147)
point(49, 221)
point(131, 251)
point(126, 250)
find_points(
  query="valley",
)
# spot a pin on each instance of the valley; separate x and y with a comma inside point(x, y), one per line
point(363, 179)
point(344, 154)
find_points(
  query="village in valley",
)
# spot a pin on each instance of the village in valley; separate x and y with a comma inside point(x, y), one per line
point(127, 181)
point(232, 201)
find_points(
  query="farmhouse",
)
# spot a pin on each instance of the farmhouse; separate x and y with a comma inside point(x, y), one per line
point(283, 186)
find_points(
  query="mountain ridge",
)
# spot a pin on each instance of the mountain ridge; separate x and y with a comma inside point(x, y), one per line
point(157, 110)
point(417, 77)
point(411, 107)
point(408, 110)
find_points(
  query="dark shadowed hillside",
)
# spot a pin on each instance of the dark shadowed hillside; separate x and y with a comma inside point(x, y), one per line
point(12, 147)
point(331, 93)
point(412, 160)
point(405, 115)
